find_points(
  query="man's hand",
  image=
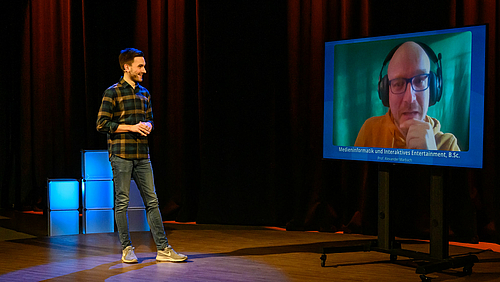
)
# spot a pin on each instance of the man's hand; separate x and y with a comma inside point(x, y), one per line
point(419, 135)
point(143, 128)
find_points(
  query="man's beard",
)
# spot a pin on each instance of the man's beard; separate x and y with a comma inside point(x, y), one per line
point(411, 108)
point(136, 77)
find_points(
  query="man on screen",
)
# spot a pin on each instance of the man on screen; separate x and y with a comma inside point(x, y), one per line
point(408, 89)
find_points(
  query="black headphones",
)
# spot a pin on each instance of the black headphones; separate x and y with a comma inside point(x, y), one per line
point(435, 79)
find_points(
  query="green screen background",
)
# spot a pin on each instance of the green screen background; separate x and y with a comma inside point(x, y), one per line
point(356, 73)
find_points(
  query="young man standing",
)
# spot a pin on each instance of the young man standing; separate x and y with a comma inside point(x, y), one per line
point(126, 117)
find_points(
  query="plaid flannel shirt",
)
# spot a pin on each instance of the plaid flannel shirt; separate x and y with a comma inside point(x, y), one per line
point(122, 104)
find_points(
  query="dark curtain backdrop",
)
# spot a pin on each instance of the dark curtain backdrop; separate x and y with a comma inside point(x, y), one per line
point(237, 89)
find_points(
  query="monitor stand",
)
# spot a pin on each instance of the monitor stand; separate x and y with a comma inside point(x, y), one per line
point(438, 258)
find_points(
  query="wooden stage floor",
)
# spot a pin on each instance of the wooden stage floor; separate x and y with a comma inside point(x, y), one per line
point(219, 253)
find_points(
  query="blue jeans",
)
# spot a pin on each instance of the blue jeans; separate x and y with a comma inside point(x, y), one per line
point(142, 172)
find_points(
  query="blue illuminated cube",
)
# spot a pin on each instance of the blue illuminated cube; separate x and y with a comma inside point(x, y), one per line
point(64, 222)
point(97, 194)
point(98, 221)
point(63, 194)
point(96, 165)
point(135, 196)
point(137, 220)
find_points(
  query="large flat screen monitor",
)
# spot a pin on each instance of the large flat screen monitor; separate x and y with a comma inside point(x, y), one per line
point(409, 98)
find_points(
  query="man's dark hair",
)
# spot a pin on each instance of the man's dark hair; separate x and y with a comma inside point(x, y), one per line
point(127, 56)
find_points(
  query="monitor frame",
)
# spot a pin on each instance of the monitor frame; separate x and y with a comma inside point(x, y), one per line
point(471, 158)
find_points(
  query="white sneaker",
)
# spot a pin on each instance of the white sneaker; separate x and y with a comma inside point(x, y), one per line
point(168, 254)
point(128, 255)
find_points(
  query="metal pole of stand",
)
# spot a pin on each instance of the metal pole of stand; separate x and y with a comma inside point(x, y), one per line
point(384, 228)
point(439, 247)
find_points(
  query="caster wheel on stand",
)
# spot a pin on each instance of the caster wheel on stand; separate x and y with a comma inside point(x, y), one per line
point(323, 260)
point(467, 270)
point(393, 257)
point(425, 278)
